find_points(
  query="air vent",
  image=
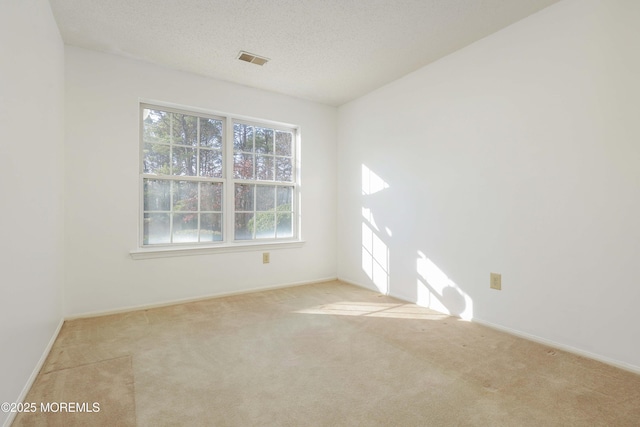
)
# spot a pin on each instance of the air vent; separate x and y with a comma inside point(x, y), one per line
point(250, 57)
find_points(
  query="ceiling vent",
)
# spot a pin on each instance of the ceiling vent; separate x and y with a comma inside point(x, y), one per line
point(250, 57)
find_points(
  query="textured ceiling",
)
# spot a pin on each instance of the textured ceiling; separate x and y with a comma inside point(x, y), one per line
point(329, 51)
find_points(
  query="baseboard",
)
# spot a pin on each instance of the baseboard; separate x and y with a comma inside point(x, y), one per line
point(569, 349)
point(195, 299)
point(34, 374)
point(534, 338)
point(360, 285)
point(391, 294)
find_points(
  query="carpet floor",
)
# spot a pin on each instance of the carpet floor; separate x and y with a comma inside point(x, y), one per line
point(327, 354)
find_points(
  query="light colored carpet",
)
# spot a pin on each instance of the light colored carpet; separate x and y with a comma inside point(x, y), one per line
point(328, 354)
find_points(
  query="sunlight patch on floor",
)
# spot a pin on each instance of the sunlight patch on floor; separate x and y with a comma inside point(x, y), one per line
point(372, 309)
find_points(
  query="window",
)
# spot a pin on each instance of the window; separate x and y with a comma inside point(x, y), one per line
point(195, 193)
point(263, 182)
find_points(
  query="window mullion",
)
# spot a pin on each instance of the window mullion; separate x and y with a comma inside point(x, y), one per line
point(255, 155)
point(171, 193)
point(199, 210)
point(198, 175)
point(228, 208)
point(255, 206)
point(171, 145)
point(275, 211)
point(198, 146)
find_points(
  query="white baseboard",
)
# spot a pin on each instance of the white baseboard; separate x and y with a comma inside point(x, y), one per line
point(360, 285)
point(618, 364)
point(34, 374)
point(569, 349)
point(200, 298)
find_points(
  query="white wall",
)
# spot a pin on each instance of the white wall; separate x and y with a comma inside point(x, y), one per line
point(31, 128)
point(102, 99)
point(519, 155)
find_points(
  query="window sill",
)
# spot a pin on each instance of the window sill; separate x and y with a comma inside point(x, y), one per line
point(167, 252)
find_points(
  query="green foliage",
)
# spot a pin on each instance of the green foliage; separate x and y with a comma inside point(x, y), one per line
point(264, 221)
point(212, 235)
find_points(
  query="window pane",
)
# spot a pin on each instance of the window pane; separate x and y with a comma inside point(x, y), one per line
point(156, 159)
point(184, 161)
point(284, 169)
point(157, 195)
point(156, 126)
point(244, 226)
point(210, 133)
point(264, 140)
point(265, 225)
point(284, 141)
point(156, 229)
point(210, 227)
point(265, 197)
point(211, 163)
point(244, 197)
point(285, 225)
point(185, 196)
point(284, 198)
point(211, 196)
point(185, 129)
point(185, 228)
point(264, 168)
point(242, 137)
point(243, 166)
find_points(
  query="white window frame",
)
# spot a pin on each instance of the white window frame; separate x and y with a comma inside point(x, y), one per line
point(228, 243)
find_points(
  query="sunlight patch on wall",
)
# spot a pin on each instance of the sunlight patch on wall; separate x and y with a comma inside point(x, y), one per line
point(436, 291)
point(375, 258)
point(375, 252)
point(371, 182)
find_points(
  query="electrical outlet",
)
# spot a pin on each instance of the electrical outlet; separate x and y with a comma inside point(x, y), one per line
point(266, 258)
point(496, 281)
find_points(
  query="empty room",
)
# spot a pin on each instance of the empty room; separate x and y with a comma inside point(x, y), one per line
point(320, 213)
